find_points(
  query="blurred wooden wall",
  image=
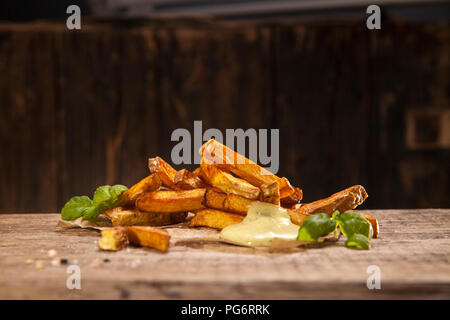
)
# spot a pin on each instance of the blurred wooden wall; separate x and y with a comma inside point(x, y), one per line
point(79, 109)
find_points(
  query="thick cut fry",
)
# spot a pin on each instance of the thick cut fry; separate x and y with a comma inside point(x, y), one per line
point(227, 183)
point(293, 199)
point(117, 238)
point(133, 217)
point(373, 222)
point(188, 180)
point(129, 197)
point(171, 201)
point(271, 193)
point(237, 204)
point(344, 200)
point(164, 171)
point(151, 237)
point(215, 219)
point(226, 202)
point(214, 152)
point(113, 239)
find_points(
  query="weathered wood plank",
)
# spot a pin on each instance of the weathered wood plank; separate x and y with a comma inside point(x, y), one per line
point(81, 109)
point(413, 253)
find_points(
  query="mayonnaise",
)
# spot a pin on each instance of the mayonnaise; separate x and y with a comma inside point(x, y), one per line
point(263, 223)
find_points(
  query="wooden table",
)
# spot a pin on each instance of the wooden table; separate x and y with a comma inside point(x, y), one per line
point(412, 252)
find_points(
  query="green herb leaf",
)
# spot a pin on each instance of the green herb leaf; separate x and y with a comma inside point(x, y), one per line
point(116, 191)
point(102, 197)
point(76, 207)
point(352, 223)
point(92, 213)
point(105, 197)
point(315, 227)
point(359, 241)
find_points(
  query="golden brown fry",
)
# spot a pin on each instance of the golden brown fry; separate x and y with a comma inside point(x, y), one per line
point(188, 180)
point(129, 197)
point(164, 171)
point(237, 204)
point(271, 193)
point(151, 237)
point(214, 152)
point(226, 202)
point(293, 199)
point(113, 239)
point(227, 183)
point(215, 219)
point(171, 201)
point(373, 222)
point(133, 217)
point(344, 200)
point(117, 238)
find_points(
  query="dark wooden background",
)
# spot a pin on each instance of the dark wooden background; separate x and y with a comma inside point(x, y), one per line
point(79, 109)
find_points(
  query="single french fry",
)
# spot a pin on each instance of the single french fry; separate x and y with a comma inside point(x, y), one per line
point(344, 200)
point(226, 202)
point(227, 183)
point(171, 201)
point(133, 217)
point(237, 204)
point(164, 170)
point(214, 152)
point(188, 180)
point(113, 239)
point(216, 219)
point(129, 197)
point(271, 193)
point(151, 237)
point(292, 199)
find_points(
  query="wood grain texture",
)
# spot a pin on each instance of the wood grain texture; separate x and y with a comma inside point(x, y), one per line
point(413, 253)
point(87, 108)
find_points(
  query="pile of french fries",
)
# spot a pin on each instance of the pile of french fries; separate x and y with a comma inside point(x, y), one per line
point(218, 192)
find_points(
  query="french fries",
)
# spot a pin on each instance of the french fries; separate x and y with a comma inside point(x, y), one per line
point(151, 237)
point(133, 217)
point(237, 204)
point(171, 201)
point(117, 238)
point(226, 202)
point(188, 180)
point(216, 196)
point(113, 239)
point(129, 197)
point(344, 200)
point(292, 199)
point(227, 183)
point(164, 170)
point(271, 193)
point(215, 219)
point(214, 152)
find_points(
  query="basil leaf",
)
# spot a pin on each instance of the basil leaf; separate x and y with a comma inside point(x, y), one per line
point(359, 241)
point(116, 191)
point(102, 197)
point(352, 223)
point(105, 198)
point(76, 207)
point(92, 213)
point(315, 227)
